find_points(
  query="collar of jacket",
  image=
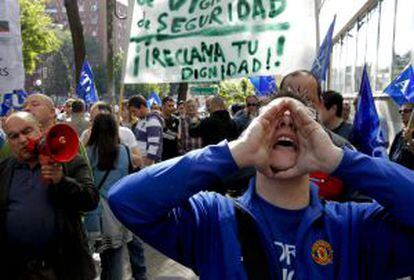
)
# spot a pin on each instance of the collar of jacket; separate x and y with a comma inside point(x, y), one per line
point(313, 212)
point(222, 114)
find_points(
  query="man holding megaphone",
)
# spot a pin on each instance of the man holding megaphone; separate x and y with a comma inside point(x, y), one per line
point(44, 188)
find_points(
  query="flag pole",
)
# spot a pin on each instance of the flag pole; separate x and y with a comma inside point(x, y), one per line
point(121, 98)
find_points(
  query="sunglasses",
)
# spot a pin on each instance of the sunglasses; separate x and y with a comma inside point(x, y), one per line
point(405, 111)
point(252, 104)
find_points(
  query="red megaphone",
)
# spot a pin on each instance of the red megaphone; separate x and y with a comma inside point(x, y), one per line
point(60, 144)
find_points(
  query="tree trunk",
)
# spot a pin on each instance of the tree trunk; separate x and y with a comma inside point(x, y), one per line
point(182, 91)
point(76, 31)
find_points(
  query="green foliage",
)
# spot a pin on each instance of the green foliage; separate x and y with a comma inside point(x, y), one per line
point(59, 67)
point(38, 36)
point(146, 89)
point(236, 91)
point(130, 90)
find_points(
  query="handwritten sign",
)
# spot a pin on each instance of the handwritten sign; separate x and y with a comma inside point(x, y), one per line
point(211, 40)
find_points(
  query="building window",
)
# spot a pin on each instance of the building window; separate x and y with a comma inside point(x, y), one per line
point(404, 34)
point(362, 45)
point(94, 33)
point(336, 56)
point(351, 54)
point(372, 43)
point(386, 10)
point(94, 7)
point(342, 63)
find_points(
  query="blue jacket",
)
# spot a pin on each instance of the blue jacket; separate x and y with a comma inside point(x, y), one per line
point(164, 205)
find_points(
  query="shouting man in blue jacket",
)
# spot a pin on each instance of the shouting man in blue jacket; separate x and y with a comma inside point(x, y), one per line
point(279, 229)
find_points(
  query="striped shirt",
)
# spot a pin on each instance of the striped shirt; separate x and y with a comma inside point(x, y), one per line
point(149, 136)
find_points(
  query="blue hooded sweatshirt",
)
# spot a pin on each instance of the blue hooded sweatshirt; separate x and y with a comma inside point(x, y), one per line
point(165, 205)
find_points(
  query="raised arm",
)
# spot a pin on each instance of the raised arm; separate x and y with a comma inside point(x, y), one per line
point(391, 184)
point(155, 202)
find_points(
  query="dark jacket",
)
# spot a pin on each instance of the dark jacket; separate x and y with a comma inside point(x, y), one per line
point(217, 127)
point(400, 153)
point(169, 135)
point(75, 194)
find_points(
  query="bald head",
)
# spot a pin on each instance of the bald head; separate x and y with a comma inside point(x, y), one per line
point(305, 83)
point(217, 104)
point(208, 103)
point(43, 109)
point(23, 116)
point(21, 128)
point(44, 98)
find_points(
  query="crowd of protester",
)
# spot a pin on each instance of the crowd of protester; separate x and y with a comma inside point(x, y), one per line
point(115, 145)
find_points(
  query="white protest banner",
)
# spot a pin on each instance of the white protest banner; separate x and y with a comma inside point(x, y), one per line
point(11, 59)
point(211, 40)
point(123, 2)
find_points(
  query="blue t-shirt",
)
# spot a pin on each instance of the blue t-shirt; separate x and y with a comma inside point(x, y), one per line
point(283, 226)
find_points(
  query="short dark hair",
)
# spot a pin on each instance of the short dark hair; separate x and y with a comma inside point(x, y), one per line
point(167, 99)
point(78, 106)
point(331, 98)
point(137, 101)
point(251, 96)
point(303, 72)
point(293, 94)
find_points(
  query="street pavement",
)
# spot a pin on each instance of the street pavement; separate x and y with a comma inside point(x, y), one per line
point(162, 268)
point(159, 267)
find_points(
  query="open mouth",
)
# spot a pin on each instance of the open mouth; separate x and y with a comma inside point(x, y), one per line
point(285, 142)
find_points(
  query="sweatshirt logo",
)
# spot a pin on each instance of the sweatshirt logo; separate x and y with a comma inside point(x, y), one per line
point(322, 252)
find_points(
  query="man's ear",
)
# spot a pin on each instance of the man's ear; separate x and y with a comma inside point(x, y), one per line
point(334, 108)
point(53, 112)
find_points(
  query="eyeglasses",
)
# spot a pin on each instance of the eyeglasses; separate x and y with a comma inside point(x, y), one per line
point(251, 104)
point(405, 111)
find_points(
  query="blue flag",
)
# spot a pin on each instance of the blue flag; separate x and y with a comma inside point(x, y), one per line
point(321, 63)
point(401, 90)
point(153, 98)
point(366, 134)
point(86, 86)
point(264, 85)
point(12, 101)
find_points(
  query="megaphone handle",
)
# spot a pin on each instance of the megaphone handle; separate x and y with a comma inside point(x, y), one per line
point(45, 160)
point(51, 171)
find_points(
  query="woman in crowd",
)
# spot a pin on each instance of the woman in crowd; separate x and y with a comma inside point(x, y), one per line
point(109, 161)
